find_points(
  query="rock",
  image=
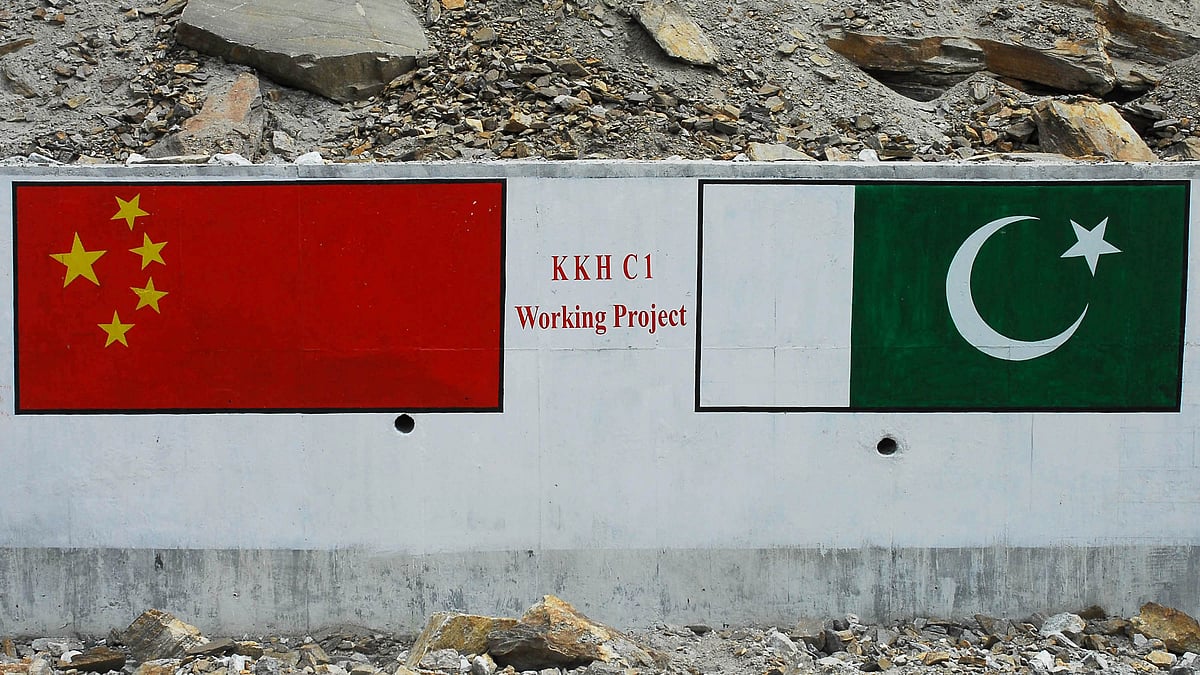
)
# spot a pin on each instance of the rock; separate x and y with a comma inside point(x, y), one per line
point(1042, 661)
point(268, 665)
point(935, 657)
point(903, 54)
point(677, 33)
point(13, 45)
point(159, 635)
point(1144, 37)
point(231, 121)
point(98, 660)
point(344, 51)
point(812, 631)
point(465, 633)
point(781, 644)
point(229, 159)
point(1178, 631)
point(444, 660)
point(158, 667)
point(775, 152)
point(868, 155)
point(1187, 149)
point(7, 648)
point(1088, 129)
point(699, 628)
point(40, 666)
point(483, 664)
point(1069, 67)
point(55, 646)
point(310, 159)
point(1071, 625)
point(552, 633)
point(218, 647)
point(1161, 658)
point(283, 144)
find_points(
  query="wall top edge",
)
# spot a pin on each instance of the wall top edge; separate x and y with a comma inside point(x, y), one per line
point(849, 171)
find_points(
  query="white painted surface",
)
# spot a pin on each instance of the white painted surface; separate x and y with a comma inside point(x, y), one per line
point(778, 265)
point(598, 449)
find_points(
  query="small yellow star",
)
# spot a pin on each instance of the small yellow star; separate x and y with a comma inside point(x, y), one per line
point(129, 211)
point(150, 251)
point(79, 262)
point(148, 296)
point(116, 330)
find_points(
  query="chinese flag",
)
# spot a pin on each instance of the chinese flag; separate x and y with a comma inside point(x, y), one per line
point(251, 297)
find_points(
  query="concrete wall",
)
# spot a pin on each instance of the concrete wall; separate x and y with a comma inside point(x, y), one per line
point(599, 481)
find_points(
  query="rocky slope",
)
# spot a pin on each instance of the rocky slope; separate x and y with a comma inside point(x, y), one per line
point(84, 81)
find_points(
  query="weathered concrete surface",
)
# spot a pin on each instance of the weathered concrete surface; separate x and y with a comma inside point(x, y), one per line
point(91, 590)
point(344, 51)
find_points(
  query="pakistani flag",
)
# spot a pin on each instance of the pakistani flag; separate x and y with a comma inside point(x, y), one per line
point(942, 296)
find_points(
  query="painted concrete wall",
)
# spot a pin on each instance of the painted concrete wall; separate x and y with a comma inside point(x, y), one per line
point(599, 481)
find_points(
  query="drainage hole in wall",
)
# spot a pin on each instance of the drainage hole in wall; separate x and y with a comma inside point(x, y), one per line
point(887, 446)
point(405, 424)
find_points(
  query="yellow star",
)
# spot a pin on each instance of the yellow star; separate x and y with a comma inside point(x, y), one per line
point(116, 330)
point(150, 251)
point(79, 262)
point(148, 296)
point(129, 210)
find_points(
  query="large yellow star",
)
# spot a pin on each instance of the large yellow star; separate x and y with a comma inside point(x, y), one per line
point(129, 211)
point(148, 296)
point(150, 251)
point(116, 330)
point(79, 262)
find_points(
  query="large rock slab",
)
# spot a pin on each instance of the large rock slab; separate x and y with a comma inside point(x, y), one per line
point(1088, 129)
point(159, 635)
point(341, 50)
point(553, 634)
point(1178, 631)
point(675, 31)
point(1068, 66)
point(464, 633)
point(904, 54)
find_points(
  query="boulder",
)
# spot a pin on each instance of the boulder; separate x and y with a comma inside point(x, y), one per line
point(1068, 66)
point(677, 33)
point(1178, 631)
point(343, 51)
point(465, 633)
point(159, 635)
point(903, 54)
point(1088, 129)
point(1070, 625)
point(553, 634)
point(231, 121)
point(97, 660)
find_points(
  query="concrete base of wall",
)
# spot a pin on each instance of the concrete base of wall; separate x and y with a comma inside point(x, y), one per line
point(89, 591)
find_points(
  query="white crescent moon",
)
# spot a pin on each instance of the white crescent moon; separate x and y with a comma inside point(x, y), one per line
point(966, 317)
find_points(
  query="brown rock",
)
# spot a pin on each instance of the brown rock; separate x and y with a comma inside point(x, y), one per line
point(1160, 658)
point(97, 660)
point(1088, 129)
point(677, 33)
point(1178, 631)
point(13, 45)
point(159, 635)
point(218, 647)
point(230, 121)
point(158, 667)
point(1069, 66)
point(464, 633)
point(897, 53)
point(1148, 39)
point(934, 658)
point(6, 646)
point(554, 634)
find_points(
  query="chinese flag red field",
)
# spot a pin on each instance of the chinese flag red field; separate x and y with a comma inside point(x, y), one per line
point(248, 297)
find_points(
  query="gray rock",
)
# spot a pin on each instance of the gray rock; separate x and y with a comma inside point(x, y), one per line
point(445, 660)
point(1066, 623)
point(1188, 149)
point(344, 51)
point(268, 666)
point(776, 152)
point(159, 635)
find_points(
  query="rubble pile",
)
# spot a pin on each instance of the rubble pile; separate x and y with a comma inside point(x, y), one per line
point(86, 81)
point(553, 638)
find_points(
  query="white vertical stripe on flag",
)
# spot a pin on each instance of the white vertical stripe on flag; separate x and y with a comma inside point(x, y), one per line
point(777, 282)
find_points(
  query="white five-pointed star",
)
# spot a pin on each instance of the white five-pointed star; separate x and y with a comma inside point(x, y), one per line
point(1090, 244)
